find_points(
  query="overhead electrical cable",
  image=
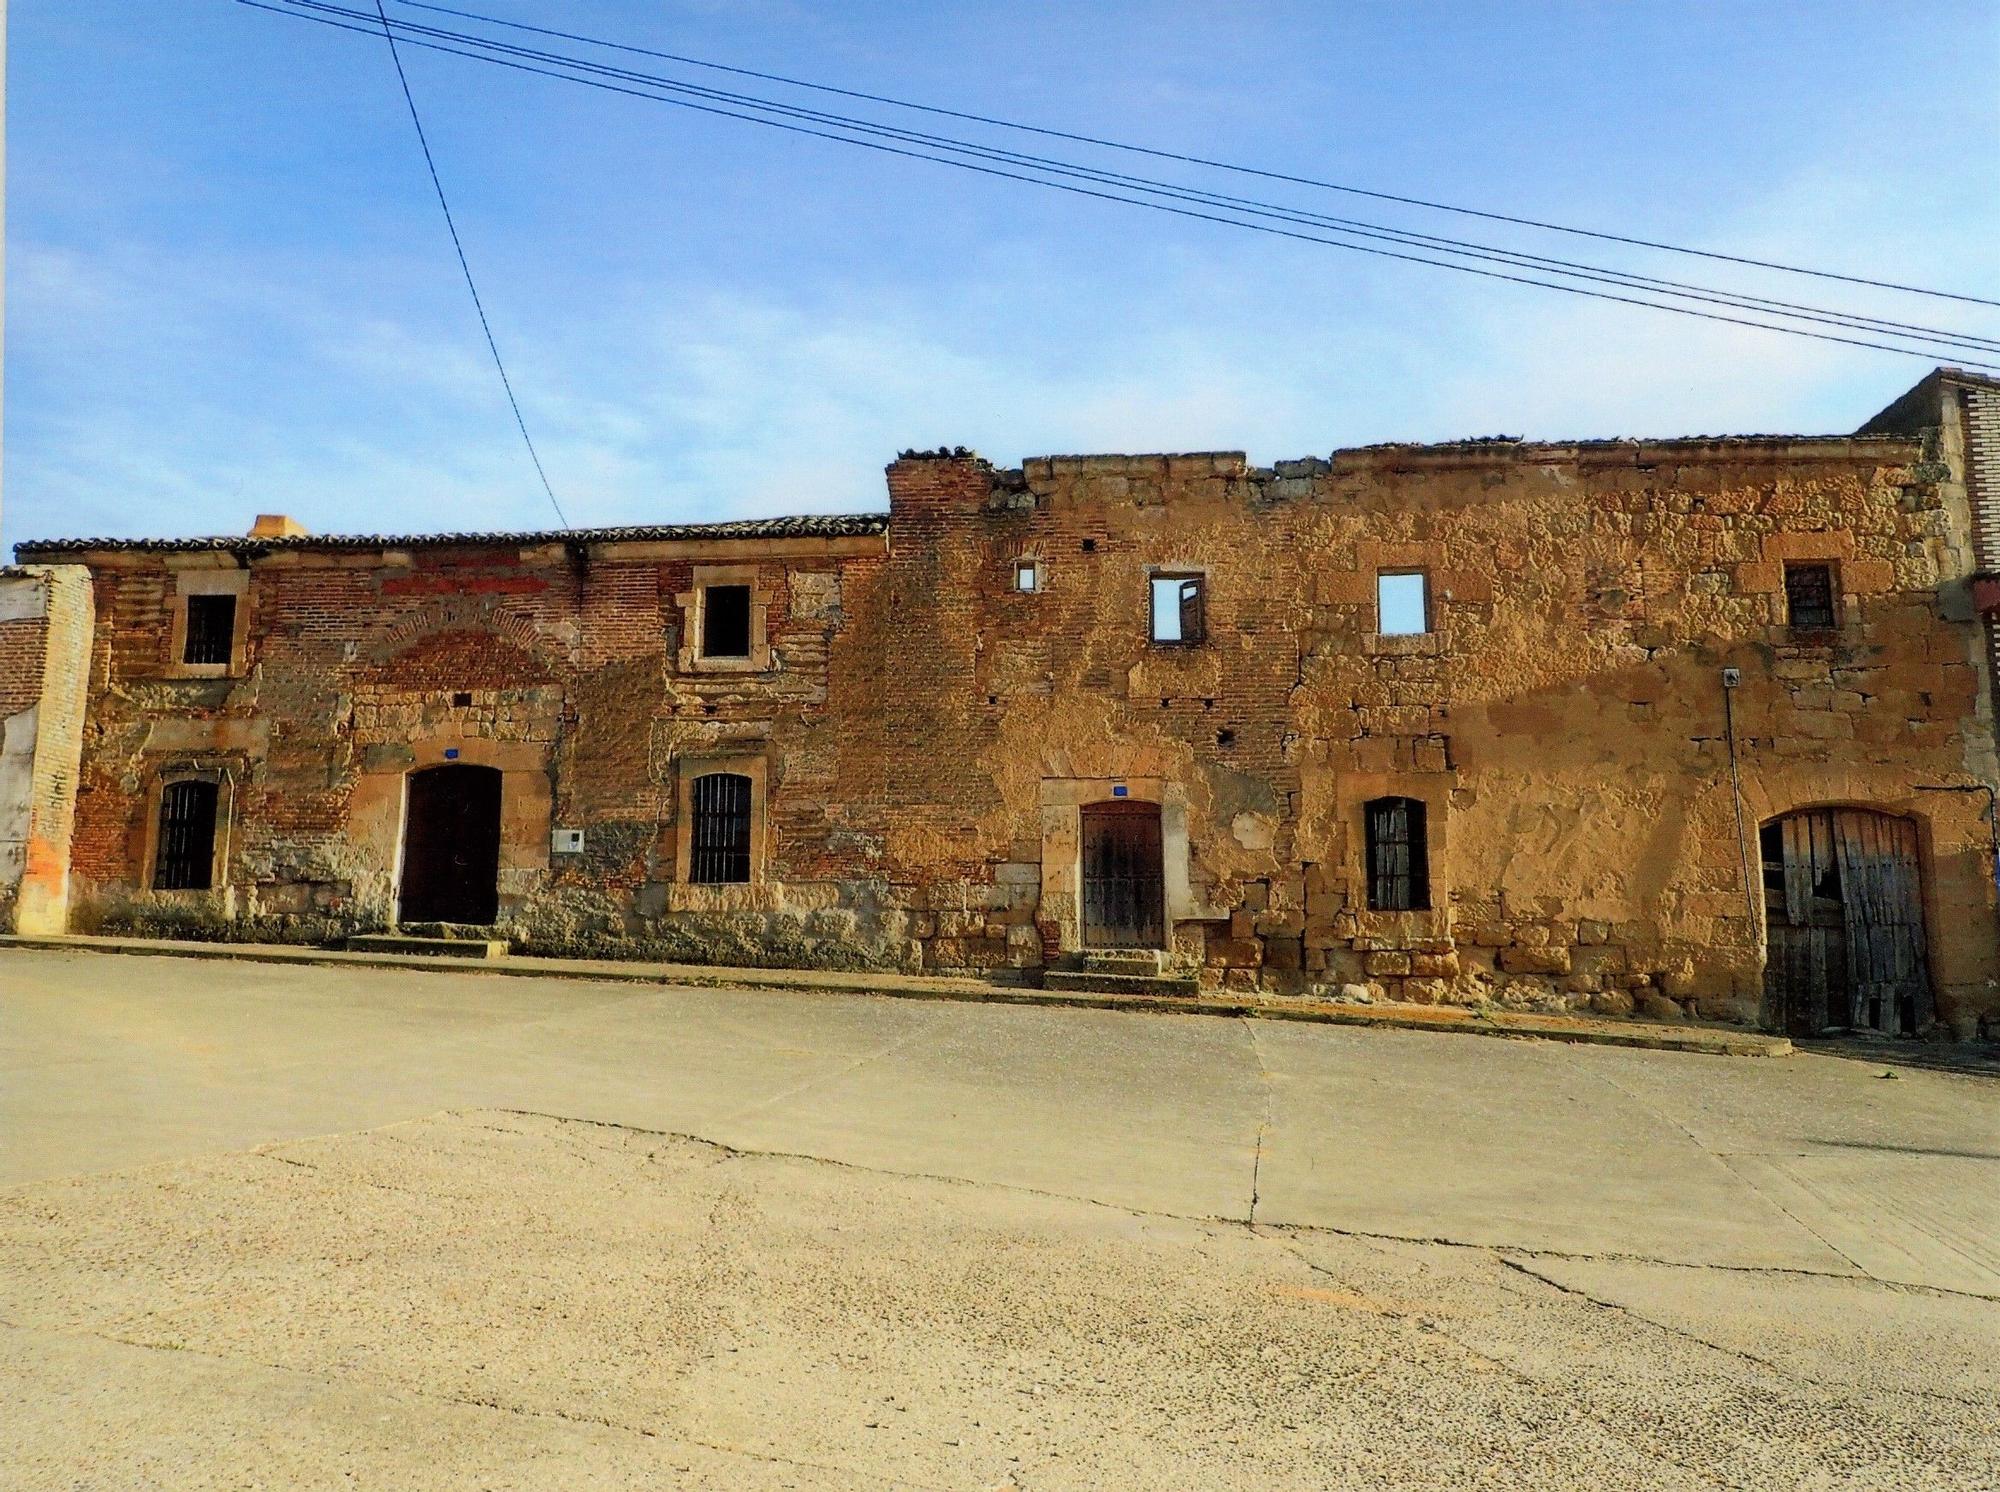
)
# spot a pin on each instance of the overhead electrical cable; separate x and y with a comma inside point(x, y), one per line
point(857, 133)
point(430, 162)
point(1203, 161)
point(1938, 340)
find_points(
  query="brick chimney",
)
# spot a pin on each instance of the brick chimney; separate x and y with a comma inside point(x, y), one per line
point(277, 526)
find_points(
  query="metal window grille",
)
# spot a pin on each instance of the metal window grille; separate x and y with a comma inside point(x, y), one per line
point(725, 621)
point(1399, 876)
point(186, 857)
point(1178, 609)
point(211, 629)
point(720, 851)
point(1809, 595)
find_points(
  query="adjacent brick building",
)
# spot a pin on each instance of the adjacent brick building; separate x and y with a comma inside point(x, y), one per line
point(1698, 727)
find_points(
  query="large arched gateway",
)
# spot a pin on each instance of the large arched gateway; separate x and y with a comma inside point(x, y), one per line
point(1844, 923)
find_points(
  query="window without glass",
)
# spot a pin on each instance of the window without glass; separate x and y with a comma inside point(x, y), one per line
point(211, 629)
point(1402, 605)
point(725, 621)
point(720, 847)
point(1809, 595)
point(1177, 609)
point(1026, 577)
point(185, 859)
point(1399, 872)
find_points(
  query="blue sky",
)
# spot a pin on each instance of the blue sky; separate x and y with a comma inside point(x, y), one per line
point(229, 290)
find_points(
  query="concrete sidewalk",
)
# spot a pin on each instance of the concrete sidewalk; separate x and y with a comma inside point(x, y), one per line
point(1728, 1041)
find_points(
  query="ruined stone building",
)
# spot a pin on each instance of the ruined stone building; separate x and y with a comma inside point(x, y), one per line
point(1700, 727)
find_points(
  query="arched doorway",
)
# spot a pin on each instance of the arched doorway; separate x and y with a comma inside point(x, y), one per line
point(451, 846)
point(1844, 923)
point(1124, 887)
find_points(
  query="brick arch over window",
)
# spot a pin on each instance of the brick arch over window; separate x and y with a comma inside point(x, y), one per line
point(480, 615)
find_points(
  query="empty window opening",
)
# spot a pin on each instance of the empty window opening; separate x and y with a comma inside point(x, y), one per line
point(725, 621)
point(1399, 872)
point(1027, 578)
point(1402, 604)
point(186, 857)
point(1225, 737)
point(461, 699)
point(211, 629)
point(1177, 609)
point(1809, 595)
point(720, 849)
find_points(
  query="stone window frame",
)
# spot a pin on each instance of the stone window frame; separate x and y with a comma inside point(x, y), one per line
point(1036, 567)
point(692, 603)
point(1433, 790)
point(232, 582)
point(755, 765)
point(225, 817)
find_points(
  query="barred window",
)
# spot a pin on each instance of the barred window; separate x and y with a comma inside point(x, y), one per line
point(211, 629)
point(1399, 872)
point(1809, 595)
point(185, 859)
point(719, 853)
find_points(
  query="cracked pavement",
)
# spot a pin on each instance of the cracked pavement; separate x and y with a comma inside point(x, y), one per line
point(263, 1226)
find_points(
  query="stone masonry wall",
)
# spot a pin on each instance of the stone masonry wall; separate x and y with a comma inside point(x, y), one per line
point(926, 731)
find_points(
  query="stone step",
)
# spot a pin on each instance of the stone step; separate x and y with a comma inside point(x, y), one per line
point(402, 942)
point(1122, 961)
point(1088, 982)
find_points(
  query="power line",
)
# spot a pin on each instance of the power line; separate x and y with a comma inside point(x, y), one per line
point(1949, 342)
point(478, 305)
point(1953, 342)
point(484, 49)
point(1196, 160)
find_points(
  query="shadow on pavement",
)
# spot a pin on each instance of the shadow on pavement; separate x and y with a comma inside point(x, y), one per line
point(1970, 1058)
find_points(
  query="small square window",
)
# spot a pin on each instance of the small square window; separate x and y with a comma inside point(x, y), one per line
point(725, 621)
point(1027, 577)
point(1809, 595)
point(1402, 604)
point(1178, 610)
point(211, 629)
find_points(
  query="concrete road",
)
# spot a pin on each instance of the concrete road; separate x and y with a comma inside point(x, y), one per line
point(305, 1227)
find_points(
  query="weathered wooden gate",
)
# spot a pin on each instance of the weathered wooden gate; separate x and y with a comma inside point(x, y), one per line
point(451, 846)
point(1844, 922)
point(1123, 888)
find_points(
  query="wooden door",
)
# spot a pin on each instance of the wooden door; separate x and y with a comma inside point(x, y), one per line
point(451, 846)
point(1844, 931)
point(1124, 890)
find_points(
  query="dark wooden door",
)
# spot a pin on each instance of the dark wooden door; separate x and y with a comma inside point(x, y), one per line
point(1123, 889)
point(1844, 926)
point(451, 846)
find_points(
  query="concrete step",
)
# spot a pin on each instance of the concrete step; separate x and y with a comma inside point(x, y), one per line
point(1093, 982)
point(399, 942)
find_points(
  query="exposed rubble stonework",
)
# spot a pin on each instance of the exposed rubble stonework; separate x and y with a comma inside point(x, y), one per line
point(1113, 702)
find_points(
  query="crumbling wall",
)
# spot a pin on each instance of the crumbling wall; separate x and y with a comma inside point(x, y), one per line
point(1564, 717)
point(926, 733)
point(45, 629)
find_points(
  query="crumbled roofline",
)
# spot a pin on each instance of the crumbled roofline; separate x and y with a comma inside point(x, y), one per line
point(803, 526)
